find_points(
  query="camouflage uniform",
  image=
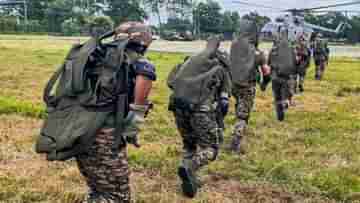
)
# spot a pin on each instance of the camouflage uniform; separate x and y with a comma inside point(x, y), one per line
point(105, 169)
point(282, 85)
point(320, 58)
point(199, 127)
point(201, 136)
point(245, 97)
point(303, 63)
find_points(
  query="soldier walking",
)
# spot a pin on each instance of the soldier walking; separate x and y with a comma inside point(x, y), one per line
point(246, 61)
point(321, 56)
point(200, 86)
point(303, 56)
point(282, 60)
point(104, 167)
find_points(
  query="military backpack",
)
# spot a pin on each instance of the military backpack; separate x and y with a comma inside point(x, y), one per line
point(89, 86)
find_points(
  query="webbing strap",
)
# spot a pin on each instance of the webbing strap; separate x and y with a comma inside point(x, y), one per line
point(50, 85)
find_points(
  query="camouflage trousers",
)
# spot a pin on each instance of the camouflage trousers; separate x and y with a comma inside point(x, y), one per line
point(200, 134)
point(245, 98)
point(106, 170)
point(302, 75)
point(319, 70)
point(292, 83)
point(282, 89)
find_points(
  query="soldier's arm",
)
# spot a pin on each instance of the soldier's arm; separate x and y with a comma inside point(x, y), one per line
point(226, 84)
point(145, 75)
point(225, 92)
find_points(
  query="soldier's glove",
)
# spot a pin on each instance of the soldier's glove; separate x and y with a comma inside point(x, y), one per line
point(133, 122)
point(224, 105)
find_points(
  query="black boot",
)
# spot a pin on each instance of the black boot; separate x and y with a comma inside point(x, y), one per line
point(280, 111)
point(301, 88)
point(189, 183)
point(238, 142)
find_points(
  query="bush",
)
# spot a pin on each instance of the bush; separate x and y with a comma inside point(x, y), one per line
point(71, 27)
point(98, 25)
point(8, 24)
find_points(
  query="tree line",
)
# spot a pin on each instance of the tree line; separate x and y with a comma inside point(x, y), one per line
point(198, 17)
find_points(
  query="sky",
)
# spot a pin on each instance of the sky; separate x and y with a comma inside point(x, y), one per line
point(281, 4)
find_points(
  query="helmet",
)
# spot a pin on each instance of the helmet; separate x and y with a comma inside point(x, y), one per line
point(136, 31)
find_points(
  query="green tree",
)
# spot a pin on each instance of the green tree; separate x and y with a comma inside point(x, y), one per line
point(209, 16)
point(235, 20)
point(254, 16)
point(124, 10)
point(155, 7)
point(353, 34)
point(227, 22)
point(179, 25)
point(57, 12)
point(230, 21)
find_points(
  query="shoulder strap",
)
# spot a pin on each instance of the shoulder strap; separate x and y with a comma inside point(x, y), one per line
point(49, 100)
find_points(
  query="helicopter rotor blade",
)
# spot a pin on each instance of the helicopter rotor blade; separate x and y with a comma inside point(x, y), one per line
point(341, 11)
point(322, 7)
point(256, 5)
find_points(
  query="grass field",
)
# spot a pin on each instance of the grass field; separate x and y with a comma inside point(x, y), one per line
point(312, 157)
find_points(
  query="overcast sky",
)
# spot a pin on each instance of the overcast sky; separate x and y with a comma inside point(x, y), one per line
point(281, 4)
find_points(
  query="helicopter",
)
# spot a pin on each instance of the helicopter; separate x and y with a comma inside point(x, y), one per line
point(294, 23)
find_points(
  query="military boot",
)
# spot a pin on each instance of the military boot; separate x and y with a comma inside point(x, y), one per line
point(238, 145)
point(238, 141)
point(280, 108)
point(301, 87)
point(317, 74)
point(187, 175)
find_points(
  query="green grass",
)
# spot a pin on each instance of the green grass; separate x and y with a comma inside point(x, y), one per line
point(311, 157)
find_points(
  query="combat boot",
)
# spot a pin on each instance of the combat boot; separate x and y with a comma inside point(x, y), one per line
point(187, 175)
point(301, 88)
point(238, 141)
point(280, 109)
point(317, 75)
point(238, 145)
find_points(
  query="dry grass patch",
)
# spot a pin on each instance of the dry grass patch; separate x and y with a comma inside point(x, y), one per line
point(312, 156)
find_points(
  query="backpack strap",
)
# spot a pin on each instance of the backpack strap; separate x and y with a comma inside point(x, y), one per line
point(48, 99)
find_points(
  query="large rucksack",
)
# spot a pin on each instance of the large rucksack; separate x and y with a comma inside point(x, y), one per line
point(243, 58)
point(91, 84)
point(192, 83)
point(282, 59)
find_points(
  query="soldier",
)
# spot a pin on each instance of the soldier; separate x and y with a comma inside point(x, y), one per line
point(106, 169)
point(321, 54)
point(200, 86)
point(282, 61)
point(246, 61)
point(303, 56)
